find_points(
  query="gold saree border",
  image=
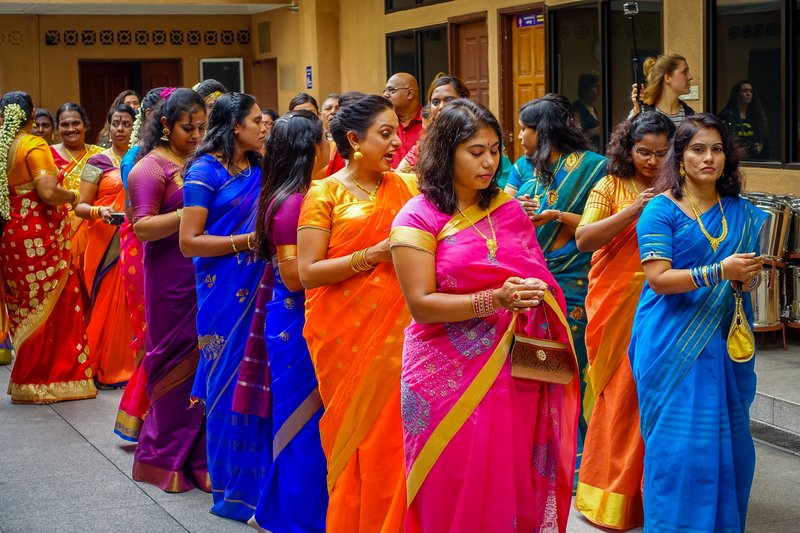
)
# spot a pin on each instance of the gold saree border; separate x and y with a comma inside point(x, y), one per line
point(475, 213)
point(287, 252)
point(608, 509)
point(5, 356)
point(130, 426)
point(413, 238)
point(458, 414)
point(165, 480)
point(52, 392)
point(296, 421)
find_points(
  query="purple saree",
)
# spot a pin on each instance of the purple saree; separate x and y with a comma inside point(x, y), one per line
point(171, 453)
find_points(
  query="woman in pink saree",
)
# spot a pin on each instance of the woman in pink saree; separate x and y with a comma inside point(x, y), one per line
point(484, 451)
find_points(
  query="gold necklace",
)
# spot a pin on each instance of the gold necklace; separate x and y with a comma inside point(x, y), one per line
point(491, 244)
point(70, 153)
point(373, 194)
point(250, 168)
point(180, 160)
point(633, 182)
point(715, 241)
point(116, 158)
point(536, 196)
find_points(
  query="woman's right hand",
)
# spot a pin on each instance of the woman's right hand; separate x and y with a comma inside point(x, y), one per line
point(530, 206)
point(641, 201)
point(634, 99)
point(380, 253)
point(742, 267)
point(529, 291)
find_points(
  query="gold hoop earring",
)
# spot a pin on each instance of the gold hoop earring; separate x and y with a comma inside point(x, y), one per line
point(683, 171)
point(357, 154)
point(165, 137)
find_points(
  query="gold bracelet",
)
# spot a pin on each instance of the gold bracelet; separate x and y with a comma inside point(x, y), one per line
point(180, 213)
point(721, 271)
point(248, 242)
point(76, 198)
point(233, 245)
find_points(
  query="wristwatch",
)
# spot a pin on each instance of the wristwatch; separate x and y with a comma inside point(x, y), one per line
point(560, 215)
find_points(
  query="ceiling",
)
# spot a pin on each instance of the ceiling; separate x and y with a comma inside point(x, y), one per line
point(194, 8)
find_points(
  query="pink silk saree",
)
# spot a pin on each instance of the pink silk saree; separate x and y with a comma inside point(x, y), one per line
point(484, 452)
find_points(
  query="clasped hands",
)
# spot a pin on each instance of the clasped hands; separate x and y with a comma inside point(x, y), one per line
point(520, 294)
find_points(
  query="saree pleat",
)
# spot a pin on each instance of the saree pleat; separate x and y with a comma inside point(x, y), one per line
point(354, 331)
point(239, 446)
point(171, 450)
point(41, 286)
point(694, 400)
point(484, 451)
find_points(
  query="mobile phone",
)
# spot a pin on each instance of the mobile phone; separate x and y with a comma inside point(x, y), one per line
point(117, 219)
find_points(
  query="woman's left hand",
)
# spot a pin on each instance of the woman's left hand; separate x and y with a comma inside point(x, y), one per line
point(548, 215)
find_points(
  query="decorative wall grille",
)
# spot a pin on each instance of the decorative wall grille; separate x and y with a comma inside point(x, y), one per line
point(133, 37)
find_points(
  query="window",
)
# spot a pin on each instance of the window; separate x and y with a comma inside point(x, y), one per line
point(400, 5)
point(746, 89)
point(591, 60)
point(423, 53)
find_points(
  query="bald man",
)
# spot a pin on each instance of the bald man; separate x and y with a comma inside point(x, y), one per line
point(403, 91)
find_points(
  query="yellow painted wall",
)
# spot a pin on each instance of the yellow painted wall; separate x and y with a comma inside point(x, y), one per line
point(19, 55)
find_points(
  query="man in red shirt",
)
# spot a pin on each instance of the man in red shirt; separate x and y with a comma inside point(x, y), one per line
point(403, 91)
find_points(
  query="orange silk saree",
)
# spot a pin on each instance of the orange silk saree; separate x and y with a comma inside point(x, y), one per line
point(109, 329)
point(354, 330)
point(610, 480)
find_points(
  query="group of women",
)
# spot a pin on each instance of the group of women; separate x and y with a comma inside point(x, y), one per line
point(383, 351)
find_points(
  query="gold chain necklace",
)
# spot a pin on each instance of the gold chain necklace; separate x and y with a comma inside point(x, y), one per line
point(491, 244)
point(116, 158)
point(373, 194)
point(179, 160)
point(633, 182)
point(536, 196)
point(72, 156)
point(715, 241)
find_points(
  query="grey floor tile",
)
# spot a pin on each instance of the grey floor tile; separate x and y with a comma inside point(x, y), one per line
point(124, 519)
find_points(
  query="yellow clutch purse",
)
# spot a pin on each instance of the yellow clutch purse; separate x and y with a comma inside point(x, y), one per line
point(741, 342)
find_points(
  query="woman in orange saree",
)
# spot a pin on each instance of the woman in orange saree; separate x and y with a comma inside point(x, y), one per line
point(355, 317)
point(40, 281)
point(102, 194)
point(609, 491)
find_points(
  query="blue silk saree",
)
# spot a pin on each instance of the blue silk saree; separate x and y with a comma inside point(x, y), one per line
point(694, 400)
point(239, 445)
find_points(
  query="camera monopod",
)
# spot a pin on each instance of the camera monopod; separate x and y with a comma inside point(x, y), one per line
point(630, 10)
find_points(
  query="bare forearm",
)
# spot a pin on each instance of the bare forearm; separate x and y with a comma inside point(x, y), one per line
point(157, 227)
point(214, 245)
point(571, 219)
point(325, 272)
point(290, 275)
point(672, 281)
point(594, 236)
point(437, 308)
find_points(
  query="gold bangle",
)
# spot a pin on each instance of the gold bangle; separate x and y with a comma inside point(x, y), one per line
point(248, 242)
point(76, 198)
point(180, 213)
point(721, 271)
point(233, 245)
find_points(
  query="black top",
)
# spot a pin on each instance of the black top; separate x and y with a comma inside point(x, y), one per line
point(588, 122)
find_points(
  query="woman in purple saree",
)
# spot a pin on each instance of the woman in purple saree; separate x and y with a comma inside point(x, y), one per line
point(171, 453)
point(484, 451)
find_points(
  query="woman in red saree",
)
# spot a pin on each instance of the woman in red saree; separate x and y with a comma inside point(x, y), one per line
point(485, 451)
point(609, 491)
point(40, 280)
point(101, 191)
point(355, 316)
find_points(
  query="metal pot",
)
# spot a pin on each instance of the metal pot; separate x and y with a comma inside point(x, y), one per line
point(793, 292)
point(766, 299)
point(793, 242)
point(775, 231)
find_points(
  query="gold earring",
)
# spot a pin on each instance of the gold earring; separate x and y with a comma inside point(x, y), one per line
point(683, 171)
point(35, 125)
point(165, 137)
point(52, 136)
point(357, 154)
point(315, 158)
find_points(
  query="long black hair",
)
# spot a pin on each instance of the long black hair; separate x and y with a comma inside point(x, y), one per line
point(455, 125)
point(755, 111)
point(357, 113)
point(551, 118)
point(180, 101)
point(230, 109)
point(23, 100)
point(303, 98)
point(669, 178)
point(629, 132)
point(287, 167)
point(71, 106)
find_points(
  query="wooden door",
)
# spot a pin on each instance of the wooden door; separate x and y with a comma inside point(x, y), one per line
point(165, 73)
point(265, 83)
point(472, 42)
point(100, 83)
point(528, 68)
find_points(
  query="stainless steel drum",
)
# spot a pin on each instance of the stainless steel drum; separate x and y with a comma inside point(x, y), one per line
point(766, 299)
point(793, 242)
point(793, 292)
point(775, 231)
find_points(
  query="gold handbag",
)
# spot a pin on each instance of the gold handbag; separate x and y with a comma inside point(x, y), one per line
point(543, 360)
point(741, 342)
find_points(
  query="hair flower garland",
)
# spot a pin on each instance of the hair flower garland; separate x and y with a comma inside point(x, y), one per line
point(167, 91)
point(13, 116)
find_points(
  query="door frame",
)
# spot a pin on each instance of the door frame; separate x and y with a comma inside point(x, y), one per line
point(179, 60)
point(452, 35)
point(505, 58)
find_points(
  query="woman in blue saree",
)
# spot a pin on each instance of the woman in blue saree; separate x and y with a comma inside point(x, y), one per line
point(552, 181)
point(220, 194)
point(696, 240)
point(295, 497)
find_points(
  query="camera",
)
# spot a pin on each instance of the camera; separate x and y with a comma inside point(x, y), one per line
point(630, 8)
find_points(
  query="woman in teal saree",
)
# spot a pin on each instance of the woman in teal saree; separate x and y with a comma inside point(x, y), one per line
point(552, 181)
point(220, 194)
point(697, 239)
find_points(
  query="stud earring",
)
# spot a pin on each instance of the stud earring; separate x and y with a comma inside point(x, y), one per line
point(35, 125)
point(165, 137)
point(357, 154)
point(683, 171)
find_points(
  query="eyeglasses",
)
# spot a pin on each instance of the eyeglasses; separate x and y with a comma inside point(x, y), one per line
point(392, 90)
point(648, 155)
point(436, 102)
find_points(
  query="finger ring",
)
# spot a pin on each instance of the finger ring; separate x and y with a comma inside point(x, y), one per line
point(516, 296)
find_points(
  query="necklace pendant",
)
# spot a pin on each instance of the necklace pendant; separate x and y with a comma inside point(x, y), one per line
point(552, 197)
point(372, 196)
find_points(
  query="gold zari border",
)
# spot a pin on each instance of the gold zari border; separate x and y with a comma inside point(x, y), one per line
point(413, 238)
point(130, 426)
point(287, 252)
point(53, 392)
point(608, 509)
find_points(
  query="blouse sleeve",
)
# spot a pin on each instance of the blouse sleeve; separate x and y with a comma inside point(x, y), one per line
point(317, 209)
point(599, 204)
point(284, 228)
point(146, 185)
point(40, 160)
point(655, 231)
point(412, 228)
point(199, 185)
